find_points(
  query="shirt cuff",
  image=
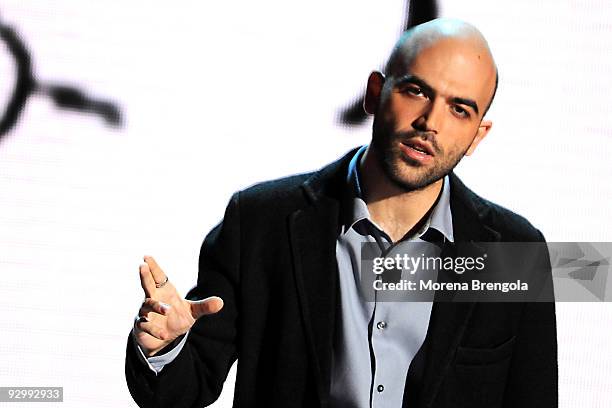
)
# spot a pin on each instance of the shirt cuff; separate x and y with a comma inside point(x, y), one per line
point(156, 363)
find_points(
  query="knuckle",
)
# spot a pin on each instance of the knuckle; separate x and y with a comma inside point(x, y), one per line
point(163, 335)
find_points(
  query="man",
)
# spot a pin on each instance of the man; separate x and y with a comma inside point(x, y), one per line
point(277, 286)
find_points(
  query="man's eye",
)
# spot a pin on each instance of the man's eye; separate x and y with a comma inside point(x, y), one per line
point(413, 90)
point(459, 111)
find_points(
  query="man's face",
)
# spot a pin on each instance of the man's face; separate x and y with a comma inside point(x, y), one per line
point(429, 113)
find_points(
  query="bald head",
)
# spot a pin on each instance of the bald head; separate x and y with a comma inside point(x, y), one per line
point(463, 35)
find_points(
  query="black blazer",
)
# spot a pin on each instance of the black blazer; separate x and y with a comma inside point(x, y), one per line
point(272, 260)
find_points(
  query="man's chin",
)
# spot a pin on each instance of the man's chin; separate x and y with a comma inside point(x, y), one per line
point(411, 182)
point(410, 177)
point(407, 173)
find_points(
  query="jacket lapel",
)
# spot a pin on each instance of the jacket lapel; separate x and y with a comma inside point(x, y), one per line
point(313, 231)
point(449, 320)
point(313, 250)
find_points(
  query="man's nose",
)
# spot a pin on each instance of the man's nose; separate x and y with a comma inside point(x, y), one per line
point(431, 117)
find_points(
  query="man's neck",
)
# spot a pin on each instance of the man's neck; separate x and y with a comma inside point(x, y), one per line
point(398, 212)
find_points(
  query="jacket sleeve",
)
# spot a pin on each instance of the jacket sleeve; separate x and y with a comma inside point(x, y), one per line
point(533, 376)
point(196, 376)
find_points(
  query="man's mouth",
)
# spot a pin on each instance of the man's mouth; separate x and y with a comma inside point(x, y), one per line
point(419, 146)
point(417, 149)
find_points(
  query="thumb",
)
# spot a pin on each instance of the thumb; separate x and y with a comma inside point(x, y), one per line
point(207, 306)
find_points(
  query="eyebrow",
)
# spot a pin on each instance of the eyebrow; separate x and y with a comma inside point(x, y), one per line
point(414, 79)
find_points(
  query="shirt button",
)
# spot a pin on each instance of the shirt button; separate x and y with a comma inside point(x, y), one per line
point(381, 325)
point(380, 388)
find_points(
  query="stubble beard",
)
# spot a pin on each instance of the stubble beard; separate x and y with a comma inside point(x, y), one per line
point(404, 172)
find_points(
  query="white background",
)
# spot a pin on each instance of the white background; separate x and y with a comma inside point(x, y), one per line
point(220, 95)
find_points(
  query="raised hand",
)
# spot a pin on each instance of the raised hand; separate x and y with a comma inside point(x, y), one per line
point(165, 315)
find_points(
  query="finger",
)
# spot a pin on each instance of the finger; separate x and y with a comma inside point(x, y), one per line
point(152, 305)
point(152, 329)
point(158, 275)
point(146, 280)
point(207, 306)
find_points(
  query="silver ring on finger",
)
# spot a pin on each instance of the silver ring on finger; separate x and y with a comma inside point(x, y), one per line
point(162, 284)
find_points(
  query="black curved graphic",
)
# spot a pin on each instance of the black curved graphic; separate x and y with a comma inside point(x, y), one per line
point(25, 80)
point(64, 96)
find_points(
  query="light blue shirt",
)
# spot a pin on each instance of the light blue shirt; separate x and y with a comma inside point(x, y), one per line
point(371, 370)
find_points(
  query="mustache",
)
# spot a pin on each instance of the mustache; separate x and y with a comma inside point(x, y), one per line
point(419, 134)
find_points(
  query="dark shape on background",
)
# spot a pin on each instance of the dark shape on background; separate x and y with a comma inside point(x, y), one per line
point(67, 97)
point(417, 12)
point(25, 81)
point(64, 96)
point(420, 12)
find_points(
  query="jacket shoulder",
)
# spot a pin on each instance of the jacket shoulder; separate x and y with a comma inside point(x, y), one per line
point(274, 192)
point(512, 226)
point(293, 191)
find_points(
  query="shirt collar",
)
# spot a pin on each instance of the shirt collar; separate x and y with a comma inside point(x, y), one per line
point(440, 218)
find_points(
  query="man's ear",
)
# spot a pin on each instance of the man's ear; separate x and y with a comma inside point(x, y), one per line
point(376, 81)
point(482, 131)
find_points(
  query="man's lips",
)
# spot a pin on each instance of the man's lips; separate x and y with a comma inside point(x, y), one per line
point(419, 146)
